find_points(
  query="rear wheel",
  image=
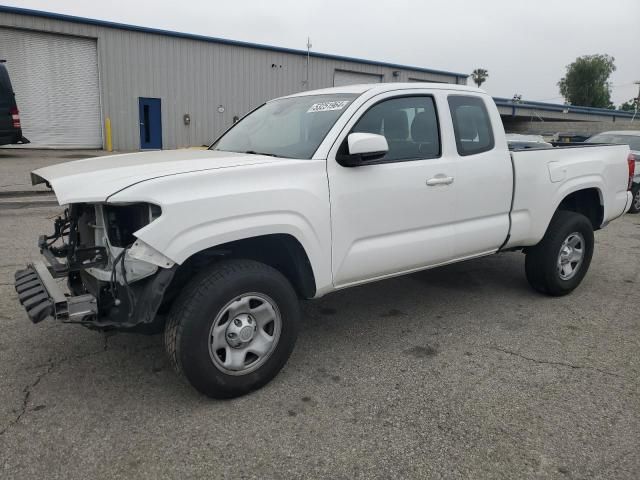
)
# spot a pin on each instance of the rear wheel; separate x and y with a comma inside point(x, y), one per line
point(557, 265)
point(233, 328)
point(635, 203)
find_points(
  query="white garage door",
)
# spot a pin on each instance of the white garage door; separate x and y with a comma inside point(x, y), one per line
point(344, 77)
point(55, 78)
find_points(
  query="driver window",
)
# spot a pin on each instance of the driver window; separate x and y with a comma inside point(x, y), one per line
point(409, 124)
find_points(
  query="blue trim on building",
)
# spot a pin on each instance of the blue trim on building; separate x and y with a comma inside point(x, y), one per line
point(224, 41)
point(554, 107)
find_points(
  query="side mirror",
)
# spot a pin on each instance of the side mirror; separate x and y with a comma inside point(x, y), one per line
point(363, 147)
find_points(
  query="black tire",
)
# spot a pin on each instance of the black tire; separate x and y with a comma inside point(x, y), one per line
point(541, 263)
point(188, 327)
point(635, 203)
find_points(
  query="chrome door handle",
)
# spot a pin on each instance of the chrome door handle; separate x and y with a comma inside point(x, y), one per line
point(439, 180)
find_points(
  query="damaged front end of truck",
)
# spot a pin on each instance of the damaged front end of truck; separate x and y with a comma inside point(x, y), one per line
point(114, 279)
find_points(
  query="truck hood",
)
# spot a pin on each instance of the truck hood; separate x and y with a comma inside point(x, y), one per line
point(96, 179)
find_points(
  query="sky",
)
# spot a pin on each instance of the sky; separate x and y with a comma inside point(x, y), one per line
point(525, 45)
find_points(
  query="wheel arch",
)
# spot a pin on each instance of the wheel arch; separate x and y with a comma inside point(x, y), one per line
point(586, 201)
point(281, 251)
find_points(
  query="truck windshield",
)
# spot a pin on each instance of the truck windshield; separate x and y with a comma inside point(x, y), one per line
point(289, 127)
point(632, 140)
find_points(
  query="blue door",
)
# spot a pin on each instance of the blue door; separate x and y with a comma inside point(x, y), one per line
point(150, 123)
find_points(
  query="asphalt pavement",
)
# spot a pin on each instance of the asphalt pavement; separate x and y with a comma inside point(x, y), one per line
point(457, 372)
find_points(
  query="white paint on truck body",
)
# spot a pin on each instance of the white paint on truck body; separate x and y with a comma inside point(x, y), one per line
point(355, 224)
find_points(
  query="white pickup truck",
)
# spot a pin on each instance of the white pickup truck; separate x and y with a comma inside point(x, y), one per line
point(306, 195)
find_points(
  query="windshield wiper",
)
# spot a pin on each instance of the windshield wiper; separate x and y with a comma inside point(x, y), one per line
point(253, 152)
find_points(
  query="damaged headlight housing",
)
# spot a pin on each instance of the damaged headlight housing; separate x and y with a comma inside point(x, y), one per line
point(122, 221)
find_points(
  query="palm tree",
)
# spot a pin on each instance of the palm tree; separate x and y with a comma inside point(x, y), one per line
point(479, 75)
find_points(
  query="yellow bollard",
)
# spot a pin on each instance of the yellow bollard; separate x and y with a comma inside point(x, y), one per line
point(107, 129)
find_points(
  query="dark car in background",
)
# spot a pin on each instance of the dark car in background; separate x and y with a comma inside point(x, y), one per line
point(631, 138)
point(10, 127)
point(563, 138)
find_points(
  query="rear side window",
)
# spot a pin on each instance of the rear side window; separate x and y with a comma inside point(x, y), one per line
point(471, 125)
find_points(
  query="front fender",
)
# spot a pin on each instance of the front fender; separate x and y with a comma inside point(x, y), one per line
point(201, 210)
point(180, 244)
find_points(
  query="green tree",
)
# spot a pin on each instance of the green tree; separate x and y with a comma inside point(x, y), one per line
point(586, 82)
point(479, 76)
point(629, 106)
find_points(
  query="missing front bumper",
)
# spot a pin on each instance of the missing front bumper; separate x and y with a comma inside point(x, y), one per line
point(43, 299)
point(101, 295)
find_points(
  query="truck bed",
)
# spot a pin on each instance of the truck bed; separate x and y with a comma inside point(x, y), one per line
point(544, 177)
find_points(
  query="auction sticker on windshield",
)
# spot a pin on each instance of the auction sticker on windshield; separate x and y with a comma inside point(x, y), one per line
point(327, 106)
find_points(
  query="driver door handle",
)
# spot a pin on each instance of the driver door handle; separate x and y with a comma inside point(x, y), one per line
point(439, 180)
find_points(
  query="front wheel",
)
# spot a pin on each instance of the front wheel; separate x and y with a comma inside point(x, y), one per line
point(233, 328)
point(557, 265)
point(635, 203)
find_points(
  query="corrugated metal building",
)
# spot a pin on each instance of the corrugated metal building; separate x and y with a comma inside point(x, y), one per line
point(71, 73)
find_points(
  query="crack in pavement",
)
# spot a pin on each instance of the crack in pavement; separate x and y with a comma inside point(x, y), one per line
point(50, 367)
point(27, 395)
point(551, 362)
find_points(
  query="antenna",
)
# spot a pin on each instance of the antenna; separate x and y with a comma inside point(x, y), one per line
point(306, 81)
